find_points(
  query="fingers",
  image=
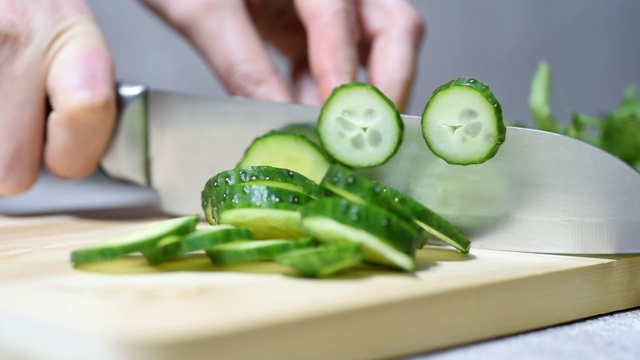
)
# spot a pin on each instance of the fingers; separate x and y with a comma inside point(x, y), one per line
point(394, 31)
point(52, 46)
point(22, 101)
point(332, 35)
point(80, 84)
point(224, 33)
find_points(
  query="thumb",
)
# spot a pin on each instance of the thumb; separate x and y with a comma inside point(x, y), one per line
point(81, 87)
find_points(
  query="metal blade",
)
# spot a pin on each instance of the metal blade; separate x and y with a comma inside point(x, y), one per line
point(193, 138)
point(542, 192)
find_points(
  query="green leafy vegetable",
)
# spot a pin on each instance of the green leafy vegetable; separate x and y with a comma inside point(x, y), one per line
point(617, 131)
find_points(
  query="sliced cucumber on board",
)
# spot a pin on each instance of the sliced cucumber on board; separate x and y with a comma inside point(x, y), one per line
point(255, 175)
point(137, 240)
point(323, 261)
point(257, 250)
point(462, 122)
point(307, 129)
point(357, 188)
point(270, 212)
point(175, 246)
point(288, 150)
point(359, 126)
point(386, 239)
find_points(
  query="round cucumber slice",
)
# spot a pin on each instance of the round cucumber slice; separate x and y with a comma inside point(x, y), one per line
point(270, 212)
point(137, 240)
point(252, 251)
point(175, 246)
point(359, 126)
point(386, 239)
point(323, 261)
point(357, 188)
point(256, 175)
point(462, 122)
point(289, 151)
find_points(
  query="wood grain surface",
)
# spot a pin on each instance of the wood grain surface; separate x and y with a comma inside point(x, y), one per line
point(192, 309)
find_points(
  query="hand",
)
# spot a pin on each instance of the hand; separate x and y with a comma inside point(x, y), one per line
point(54, 48)
point(326, 42)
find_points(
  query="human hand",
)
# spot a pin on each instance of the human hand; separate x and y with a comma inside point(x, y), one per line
point(54, 48)
point(326, 42)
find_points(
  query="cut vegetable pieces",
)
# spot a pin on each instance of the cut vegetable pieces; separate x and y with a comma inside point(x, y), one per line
point(270, 212)
point(462, 122)
point(386, 239)
point(287, 150)
point(359, 126)
point(175, 246)
point(323, 261)
point(253, 251)
point(135, 241)
point(255, 175)
point(357, 188)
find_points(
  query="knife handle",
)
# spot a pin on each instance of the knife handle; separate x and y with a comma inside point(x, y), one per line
point(127, 157)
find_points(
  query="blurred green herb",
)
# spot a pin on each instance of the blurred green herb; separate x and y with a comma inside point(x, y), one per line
point(617, 131)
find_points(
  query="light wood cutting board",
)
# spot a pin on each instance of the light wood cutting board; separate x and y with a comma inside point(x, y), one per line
point(191, 309)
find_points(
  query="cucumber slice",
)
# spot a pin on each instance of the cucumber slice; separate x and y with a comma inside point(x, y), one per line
point(462, 122)
point(359, 126)
point(306, 129)
point(255, 175)
point(175, 246)
point(137, 240)
point(290, 151)
point(252, 251)
point(357, 188)
point(270, 212)
point(323, 261)
point(387, 240)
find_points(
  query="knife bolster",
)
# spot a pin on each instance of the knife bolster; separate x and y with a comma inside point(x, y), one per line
point(127, 156)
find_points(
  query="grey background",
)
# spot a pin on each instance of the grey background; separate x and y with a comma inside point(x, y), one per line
point(592, 46)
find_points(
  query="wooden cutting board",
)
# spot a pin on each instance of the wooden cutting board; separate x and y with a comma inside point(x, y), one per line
point(191, 309)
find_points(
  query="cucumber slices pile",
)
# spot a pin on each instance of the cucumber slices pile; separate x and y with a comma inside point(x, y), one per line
point(294, 198)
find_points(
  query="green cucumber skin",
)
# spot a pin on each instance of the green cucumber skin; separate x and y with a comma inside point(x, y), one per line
point(259, 250)
point(259, 175)
point(135, 241)
point(257, 196)
point(358, 188)
point(292, 151)
point(173, 247)
point(376, 221)
point(484, 90)
point(325, 140)
point(323, 261)
point(270, 212)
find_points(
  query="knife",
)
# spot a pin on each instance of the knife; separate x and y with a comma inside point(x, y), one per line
point(542, 192)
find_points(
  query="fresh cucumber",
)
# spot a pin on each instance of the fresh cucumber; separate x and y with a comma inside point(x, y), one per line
point(287, 150)
point(175, 246)
point(307, 129)
point(323, 261)
point(359, 126)
point(462, 122)
point(357, 188)
point(271, 212)
point(387, 240)
point(137, 240)
point(255, 175)
point(257, 250)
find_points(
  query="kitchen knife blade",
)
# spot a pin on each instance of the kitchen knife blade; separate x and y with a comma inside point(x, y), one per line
point(542, 192)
